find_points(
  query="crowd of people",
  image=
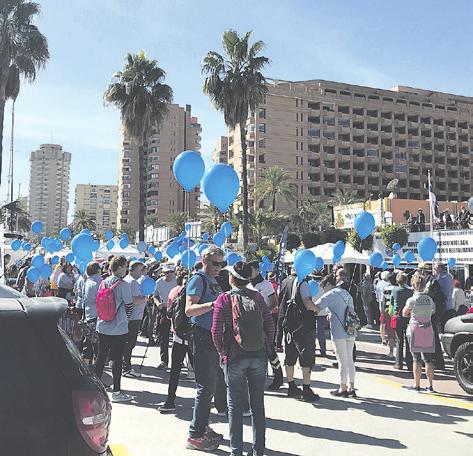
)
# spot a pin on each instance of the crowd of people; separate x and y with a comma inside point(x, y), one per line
point(228, 323)
point(444, 220)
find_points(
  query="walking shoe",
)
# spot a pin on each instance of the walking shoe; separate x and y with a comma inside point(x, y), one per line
point(430, 389)
point(294, 391)
point(202, 444)
point(276, 383)
point(212, 434)
point(162, 366)
point(352, 393)
point(167, 407)
point(309, 396)
point(416, 389)
point(131, 374)
point(120, 396)
point(338, 393)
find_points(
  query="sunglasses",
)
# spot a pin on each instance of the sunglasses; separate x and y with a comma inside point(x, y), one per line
point(222, 264)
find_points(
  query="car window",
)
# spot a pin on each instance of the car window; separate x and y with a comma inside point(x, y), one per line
point(7, 292)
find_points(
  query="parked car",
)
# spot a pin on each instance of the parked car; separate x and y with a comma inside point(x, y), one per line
point(457, 341)
point(51, 403)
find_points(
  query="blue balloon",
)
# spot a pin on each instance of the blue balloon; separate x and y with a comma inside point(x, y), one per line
point(124, 242)
point(313, 288)
point(45, 271)
point(16, 245)
point(27, 246)
point(181, 236)
point(451, 262)
point(266, 260)
point(221, 186)
point(304, 264)
point(108, 235)
point(172, 250)
point(188, 258)
point(376, 259)
point(384, 265)
point(158, 256)
point(54, 260)
point(319, 264)
point(205, 236)
point(219, 239)
point(226, 229)
point(33, 274)
point(396, 246)
point(338, 249)
point(409, 256)
point(141, 246)
point(152, 249)
point(70, 257)
point(124, 236)
point(202, 247)
point(188, 169)
point(182, 248)
point(427, 248)
point(110, 244)
point(82, 266)
point(364, 224)
point(336, 259)
point(37, 261)
point(36, 227)
point(232, 258)
point(82, 246)
point(263, 268)
point(65, 234)
point(147, 286)
point(187, 227)
point(56, 245)
point(86, 231)
point(396, 260)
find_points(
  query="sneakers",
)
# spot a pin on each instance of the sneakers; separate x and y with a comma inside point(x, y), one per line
point(162, 366)
point(309, 396)
point(338, 393)
point(293, 391)
point(430, 389)
point(352, 393)
point(212, 434)
point(120, 396)
point(416, 389)
point(131, 374)
point(167, 407)
point(276, 383)
point(204, 443)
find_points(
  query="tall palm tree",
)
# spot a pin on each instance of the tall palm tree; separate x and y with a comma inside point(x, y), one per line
point(275, 183)
point(141, 96)
point(175, 222)
point(82, 220)
point(344, 197)
point(18, 218)
point(23, 51)
point(236, 86)
point(266, 223)
point(315, 213)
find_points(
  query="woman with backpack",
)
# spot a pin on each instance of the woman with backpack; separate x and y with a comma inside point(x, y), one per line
point(243, 331)
point(340, 305)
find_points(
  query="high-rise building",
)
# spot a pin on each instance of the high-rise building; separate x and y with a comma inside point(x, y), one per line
point(179, 131)
point(49, 186)
point(100, 204)
point(331, 136)
point(220, 153)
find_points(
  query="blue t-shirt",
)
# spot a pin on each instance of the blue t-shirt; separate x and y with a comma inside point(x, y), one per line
point(336, 301)
point(207, 293)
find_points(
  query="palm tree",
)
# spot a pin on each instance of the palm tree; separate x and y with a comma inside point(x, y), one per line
point(18, 219)
point(344, 197)
point(82, 220)
point(236, 86)
point(276, 182)
point(266, 223)
point(23, 51)
point(315, 213)
point(141, 96)
point(176, 222)
point(151, 220)
point(211, 218)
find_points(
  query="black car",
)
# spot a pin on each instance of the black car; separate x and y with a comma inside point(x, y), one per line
point(457, 341)
point(51, 403)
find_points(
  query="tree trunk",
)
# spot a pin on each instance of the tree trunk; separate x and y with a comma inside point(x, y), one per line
point(274, 202)
point(141, 213)
point(2, 117)
point(244, 179)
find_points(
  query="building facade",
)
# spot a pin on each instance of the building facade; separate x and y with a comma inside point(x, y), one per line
point(100, 204)
point(179, 131)
point(49, 186)
point(220, 153)
point(331, 136)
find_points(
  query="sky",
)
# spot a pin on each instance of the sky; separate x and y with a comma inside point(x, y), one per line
point(422, 43)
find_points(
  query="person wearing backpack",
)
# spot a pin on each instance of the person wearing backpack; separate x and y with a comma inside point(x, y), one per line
point(243, 331)
point(113, 310)
point(296, 323)
point(201, 292)
point(339, 303)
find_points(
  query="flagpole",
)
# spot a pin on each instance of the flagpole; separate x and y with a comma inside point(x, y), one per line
point(430, 208)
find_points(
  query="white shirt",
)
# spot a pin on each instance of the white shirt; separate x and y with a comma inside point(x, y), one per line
point(265, 289)
point(458, 298)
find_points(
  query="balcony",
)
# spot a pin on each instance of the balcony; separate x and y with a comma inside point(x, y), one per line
point(314, 169)
point(344, 171)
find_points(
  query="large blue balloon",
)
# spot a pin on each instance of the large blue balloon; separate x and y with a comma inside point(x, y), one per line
point(338, 249)
point(188, 169)
point(152, 249)
point(219, 239)
point(86, 231)
point(427, 248)
point(304, 264)
point(232, 258)
point(364, 224)
point(46, 270)
point(37, 261)
point(147, 286)
point(124, 242)
point(33, 274)
point(319, 263)
point(313, 288)
point(172, 250)
point(82, 246)
point(376, 259)
point(451, 262)
point(158, 256)
point(188, 258)
point(108, 235)
point(336, 259)
point(16, 245)
point(396, 260)
point(65, 234)
point(37, 227)
point(221, 186)
point(182, 248)
point(226, 229)
point(141, 246)
point(409, 256)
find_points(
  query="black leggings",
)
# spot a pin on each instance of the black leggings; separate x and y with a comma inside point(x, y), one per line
point(113, 345)
point(178, 354)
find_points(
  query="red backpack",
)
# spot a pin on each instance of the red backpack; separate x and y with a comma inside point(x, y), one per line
point(105, 302)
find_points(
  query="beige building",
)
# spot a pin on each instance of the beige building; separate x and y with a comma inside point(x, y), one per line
point(100, 203)
point(49, 186)
point(163, 195)
point(220, 153)
point(331, 135)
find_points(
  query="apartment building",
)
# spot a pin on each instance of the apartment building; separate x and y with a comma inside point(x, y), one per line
point(331, 136)
point(179, 131)
point(100, 204)
point(49, 186)
point(220, 153)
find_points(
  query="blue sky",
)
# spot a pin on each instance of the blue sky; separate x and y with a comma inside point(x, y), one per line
point(422, 43)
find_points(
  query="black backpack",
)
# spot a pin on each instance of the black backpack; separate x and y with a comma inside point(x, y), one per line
point(434, 290)
point(294, 317)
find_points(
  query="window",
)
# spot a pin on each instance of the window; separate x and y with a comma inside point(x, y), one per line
point(262, 127)
point(370, 152)
point(400, 168)
point(329, 134)
point(262, 113)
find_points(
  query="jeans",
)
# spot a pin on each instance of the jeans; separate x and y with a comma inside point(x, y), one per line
point(321, 324)
point(253, 369)
point(163, 335)
point(220, 398)
point(130, 343)
point(113, 345)
point(346, 365)
point(178, 354)
point(439, 360)
point(445, 317)
point(402, 341)
point(368, 310)
point(206, 365)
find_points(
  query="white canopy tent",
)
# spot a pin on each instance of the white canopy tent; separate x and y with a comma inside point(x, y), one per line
point(325, 251)
point(116, 250)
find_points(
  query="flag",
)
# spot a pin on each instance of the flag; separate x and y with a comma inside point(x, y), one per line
point(279, 269)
